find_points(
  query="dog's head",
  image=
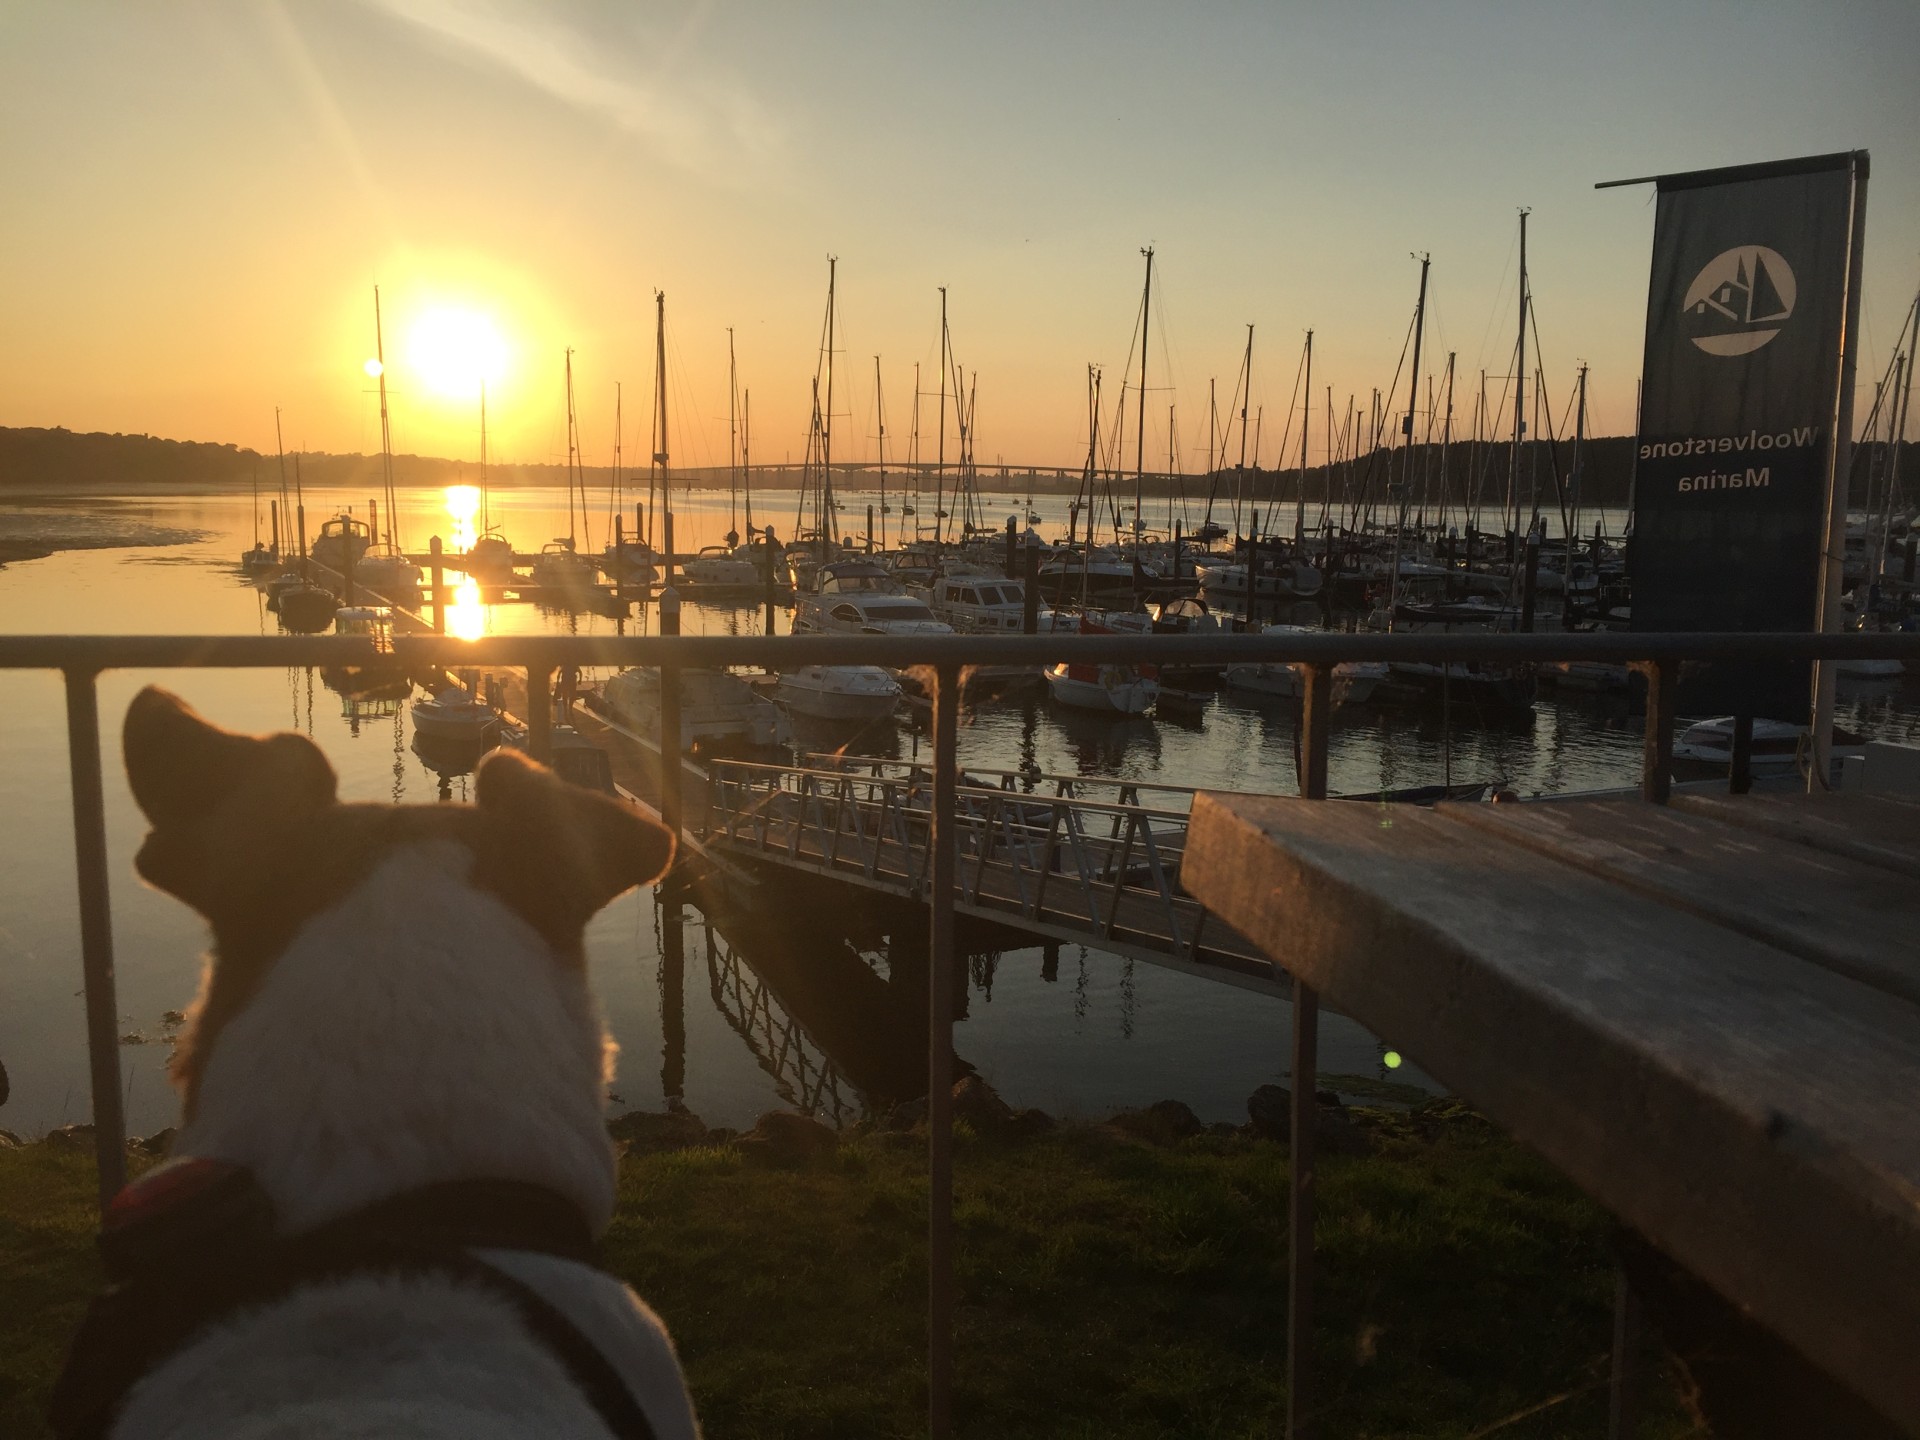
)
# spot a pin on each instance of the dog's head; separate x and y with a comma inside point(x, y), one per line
point(247, 830)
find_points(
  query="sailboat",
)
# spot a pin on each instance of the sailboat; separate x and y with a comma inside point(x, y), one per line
point(628, 560)
point(490, 557)
point(559, 565)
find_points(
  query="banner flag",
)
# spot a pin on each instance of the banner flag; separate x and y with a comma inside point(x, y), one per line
point(1745, 318)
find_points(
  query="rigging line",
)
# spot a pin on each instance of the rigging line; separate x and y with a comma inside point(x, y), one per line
point(1499, 314)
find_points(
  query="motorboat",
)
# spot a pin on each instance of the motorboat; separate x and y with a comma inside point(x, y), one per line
point(718, 709)
point(1111, 689)
point(856, 577)
point(838, 692)
point(558, 567)
point(260, 560)
point(1103, 572)
point(373, 623)
point(384, 570)
point(340, 543)
point(456, 714)
point(1354, 681)
point(1705, 748)
point(977, 605)
point(718, 568)
point(1287, 580)
point(767, 554)
point(630, 562)
point(870, 613)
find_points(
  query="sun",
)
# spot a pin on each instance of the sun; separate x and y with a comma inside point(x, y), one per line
point(455, 351)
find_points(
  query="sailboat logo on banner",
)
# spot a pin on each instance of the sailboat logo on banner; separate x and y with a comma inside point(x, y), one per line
point(1739, 300)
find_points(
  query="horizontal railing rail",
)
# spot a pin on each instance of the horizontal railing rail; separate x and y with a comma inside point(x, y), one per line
point(131, 652)
point(945, 660)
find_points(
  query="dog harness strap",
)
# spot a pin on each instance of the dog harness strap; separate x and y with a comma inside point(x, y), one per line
point(196, 1248)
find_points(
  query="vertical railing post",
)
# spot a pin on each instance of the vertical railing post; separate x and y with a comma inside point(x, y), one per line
point(1656, 766)
point(1623, 1380)
point(96, 931)
point(946, 712)
point(670, 808)
point(1316, 708)
point(540, 713)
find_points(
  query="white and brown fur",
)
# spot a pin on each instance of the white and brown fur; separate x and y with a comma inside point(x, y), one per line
point(396, 996)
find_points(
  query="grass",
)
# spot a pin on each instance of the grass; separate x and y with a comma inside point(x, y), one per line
point(1106, 1287)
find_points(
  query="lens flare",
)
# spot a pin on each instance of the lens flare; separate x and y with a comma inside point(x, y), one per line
point(373, 368)
point(1391, 1059)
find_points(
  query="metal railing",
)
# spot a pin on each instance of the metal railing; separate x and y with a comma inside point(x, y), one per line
point(1099, 872)
point(944, 659)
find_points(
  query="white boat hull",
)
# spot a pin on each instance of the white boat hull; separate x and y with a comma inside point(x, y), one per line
point(1119, 691)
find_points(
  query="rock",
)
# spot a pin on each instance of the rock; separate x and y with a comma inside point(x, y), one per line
point(70, 1137)
point(1165, 1122)
point(1270, 1112)
point(975, 1102)
point(1028, 1123)
point(786, 1137)
point(907, 1115)
point(648, 1132)
point(156, 1144)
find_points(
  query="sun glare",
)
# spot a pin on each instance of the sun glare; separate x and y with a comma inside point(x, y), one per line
point(455, 351)
point(467, 616)
point(373, 368)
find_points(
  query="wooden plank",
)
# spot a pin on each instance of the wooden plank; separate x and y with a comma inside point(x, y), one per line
point(1867, 828)
point(1859, 920)
point(1755, 1115)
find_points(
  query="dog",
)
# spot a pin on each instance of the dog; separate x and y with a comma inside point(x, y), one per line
point(377, 1214)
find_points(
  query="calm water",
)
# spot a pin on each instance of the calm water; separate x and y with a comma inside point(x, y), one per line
point(735, 1022)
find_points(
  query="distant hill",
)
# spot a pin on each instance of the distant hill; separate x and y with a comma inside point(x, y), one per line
point(58, 458)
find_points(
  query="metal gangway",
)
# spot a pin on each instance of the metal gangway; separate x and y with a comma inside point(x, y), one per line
point(1071, 858)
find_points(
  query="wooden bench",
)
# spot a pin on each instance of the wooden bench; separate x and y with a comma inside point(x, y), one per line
point(1707, 1014)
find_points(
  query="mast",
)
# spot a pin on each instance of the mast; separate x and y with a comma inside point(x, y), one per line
point(940, 470)
point(386, 433)
point(256, 504)
point(1446, 438)
point(572, 538)
point(614, 507)
point(1519, 384)
point(1306, 416)
point(1240, 478)
point(746, 467)
point(286, 499)
point(1406, 430)
point(880, 410)
point(661, 456)
point(1140, 426)
point(829, 521)
point(733, 446)
point(485, 513)
point(1579, 440)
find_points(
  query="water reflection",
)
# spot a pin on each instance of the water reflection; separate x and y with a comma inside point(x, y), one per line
point(467, 616)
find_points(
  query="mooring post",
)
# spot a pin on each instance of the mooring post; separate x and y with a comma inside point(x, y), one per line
point(273, 511)
point(1030, 600)
point(666, 551)
point(774, 556)
point(1176, 550)
point(1316, 709)
point(670, 713)
point(619, 559)
point(1740, 771)
point(1656, 750)
point(869, 529)
point(540, 713)
point(96, 932)
point(1012, 567)
point(437, 577)
point(1529, 578)
point(940, 975)
point(300, 512)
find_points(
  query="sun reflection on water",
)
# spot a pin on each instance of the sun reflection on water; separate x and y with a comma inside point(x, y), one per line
point(463, 503)
point(466, 616)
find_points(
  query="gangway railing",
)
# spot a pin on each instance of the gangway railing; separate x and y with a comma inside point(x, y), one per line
point(1105, 873)
point(944, 660)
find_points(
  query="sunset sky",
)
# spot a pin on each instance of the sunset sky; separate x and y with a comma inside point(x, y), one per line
point(200, 198)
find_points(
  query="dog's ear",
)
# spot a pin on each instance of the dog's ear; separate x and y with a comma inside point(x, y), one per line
point(206, 790)
point(557, 852)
